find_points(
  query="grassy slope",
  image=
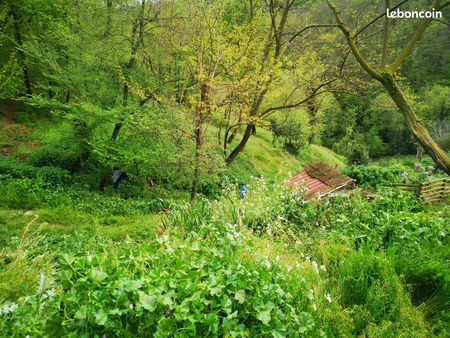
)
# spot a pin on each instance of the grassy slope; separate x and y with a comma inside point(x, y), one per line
point(56, 225)
point(260, 157)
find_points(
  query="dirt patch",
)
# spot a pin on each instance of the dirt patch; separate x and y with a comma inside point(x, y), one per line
point(8, 111)
point(13, 135)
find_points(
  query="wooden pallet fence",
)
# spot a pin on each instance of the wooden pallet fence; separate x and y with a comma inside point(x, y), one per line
point(435, 191)
point(409, 187)
point(429, 192)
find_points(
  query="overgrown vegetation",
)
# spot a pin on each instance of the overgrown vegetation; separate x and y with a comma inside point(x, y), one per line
point(129, 128)
point(337, 267)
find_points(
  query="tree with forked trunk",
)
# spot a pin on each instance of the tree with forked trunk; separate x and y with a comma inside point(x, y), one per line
point(388, 76)
point(277, 64)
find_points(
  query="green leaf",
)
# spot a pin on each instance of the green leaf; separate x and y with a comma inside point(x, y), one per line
point(81, 313)
point(278, 334)
point(98, 275)
point(216, 290)
point(115, 312)
point(240, 296)
point(148, 302)
point(167, 300)
point(67, 259)
point(264, 316)
point(54, 328)
point(101, 317)
point(233, 315)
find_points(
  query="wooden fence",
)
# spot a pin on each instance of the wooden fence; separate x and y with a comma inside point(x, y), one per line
point(429, 192)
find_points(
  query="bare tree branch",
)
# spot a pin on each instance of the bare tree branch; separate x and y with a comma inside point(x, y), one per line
point(414, 39)
point(309, 27)
point(442, 21)
point(378, 18)
point(352, 42)
point(314, 92)
point(385, 37)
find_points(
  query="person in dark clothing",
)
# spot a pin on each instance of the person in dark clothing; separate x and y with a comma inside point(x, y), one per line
point(117, 177)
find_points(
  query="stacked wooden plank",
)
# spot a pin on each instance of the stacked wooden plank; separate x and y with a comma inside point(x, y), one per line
point(415, 188)
point(319, 179)
point(435, 191)
point(429, 192)
point(327, 174)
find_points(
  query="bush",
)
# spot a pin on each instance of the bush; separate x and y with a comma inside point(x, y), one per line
point(49, 176)
point(374, 176)
point(68, 154)
point(15, 168)
point(359, 154)
point(162, 289)
point(370, 288)
point(53, 176)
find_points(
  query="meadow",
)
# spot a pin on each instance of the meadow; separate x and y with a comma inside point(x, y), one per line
point(271, 265)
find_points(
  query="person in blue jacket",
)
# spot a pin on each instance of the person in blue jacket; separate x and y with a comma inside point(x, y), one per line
point(243, 190)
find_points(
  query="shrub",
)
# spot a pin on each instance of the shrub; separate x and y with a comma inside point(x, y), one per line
point(15, 168)
point(369, 287)
point(68, 154)
point(374, 176)
point(164, 288)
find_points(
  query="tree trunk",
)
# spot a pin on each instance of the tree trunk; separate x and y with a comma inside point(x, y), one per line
point(200, 113)
point(419, 152)
point(240, 147)
point(109, 4)
point(197, 160)
point(18, 37)
point(137, 32)
point(414, 123)
point(312, 107)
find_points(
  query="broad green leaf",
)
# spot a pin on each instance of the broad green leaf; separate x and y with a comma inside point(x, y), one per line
point(216, 290)
point(264, 316)
point(278, 334)
point(167, 300)
point(233, 315)
point(81, 313)
point(101, 317)
point(240, 296)
point(98, 275)
point(148, 302)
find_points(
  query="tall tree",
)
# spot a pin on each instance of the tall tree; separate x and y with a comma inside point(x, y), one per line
point(388, 76)
point(276, 56)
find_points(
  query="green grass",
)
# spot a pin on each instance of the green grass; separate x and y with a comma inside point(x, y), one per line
point(88, 263)
point(261, 157)
point(342, 267)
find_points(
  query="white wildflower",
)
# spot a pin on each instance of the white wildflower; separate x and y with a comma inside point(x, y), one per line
point(8, 307)
point(51, 293)
point(328, 298)
point(311, 294)
point(323, 268)
point(277, 258)
point(315, 266)
point(314, 306)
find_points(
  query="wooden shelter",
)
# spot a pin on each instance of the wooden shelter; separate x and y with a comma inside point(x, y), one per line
point(319, 179)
